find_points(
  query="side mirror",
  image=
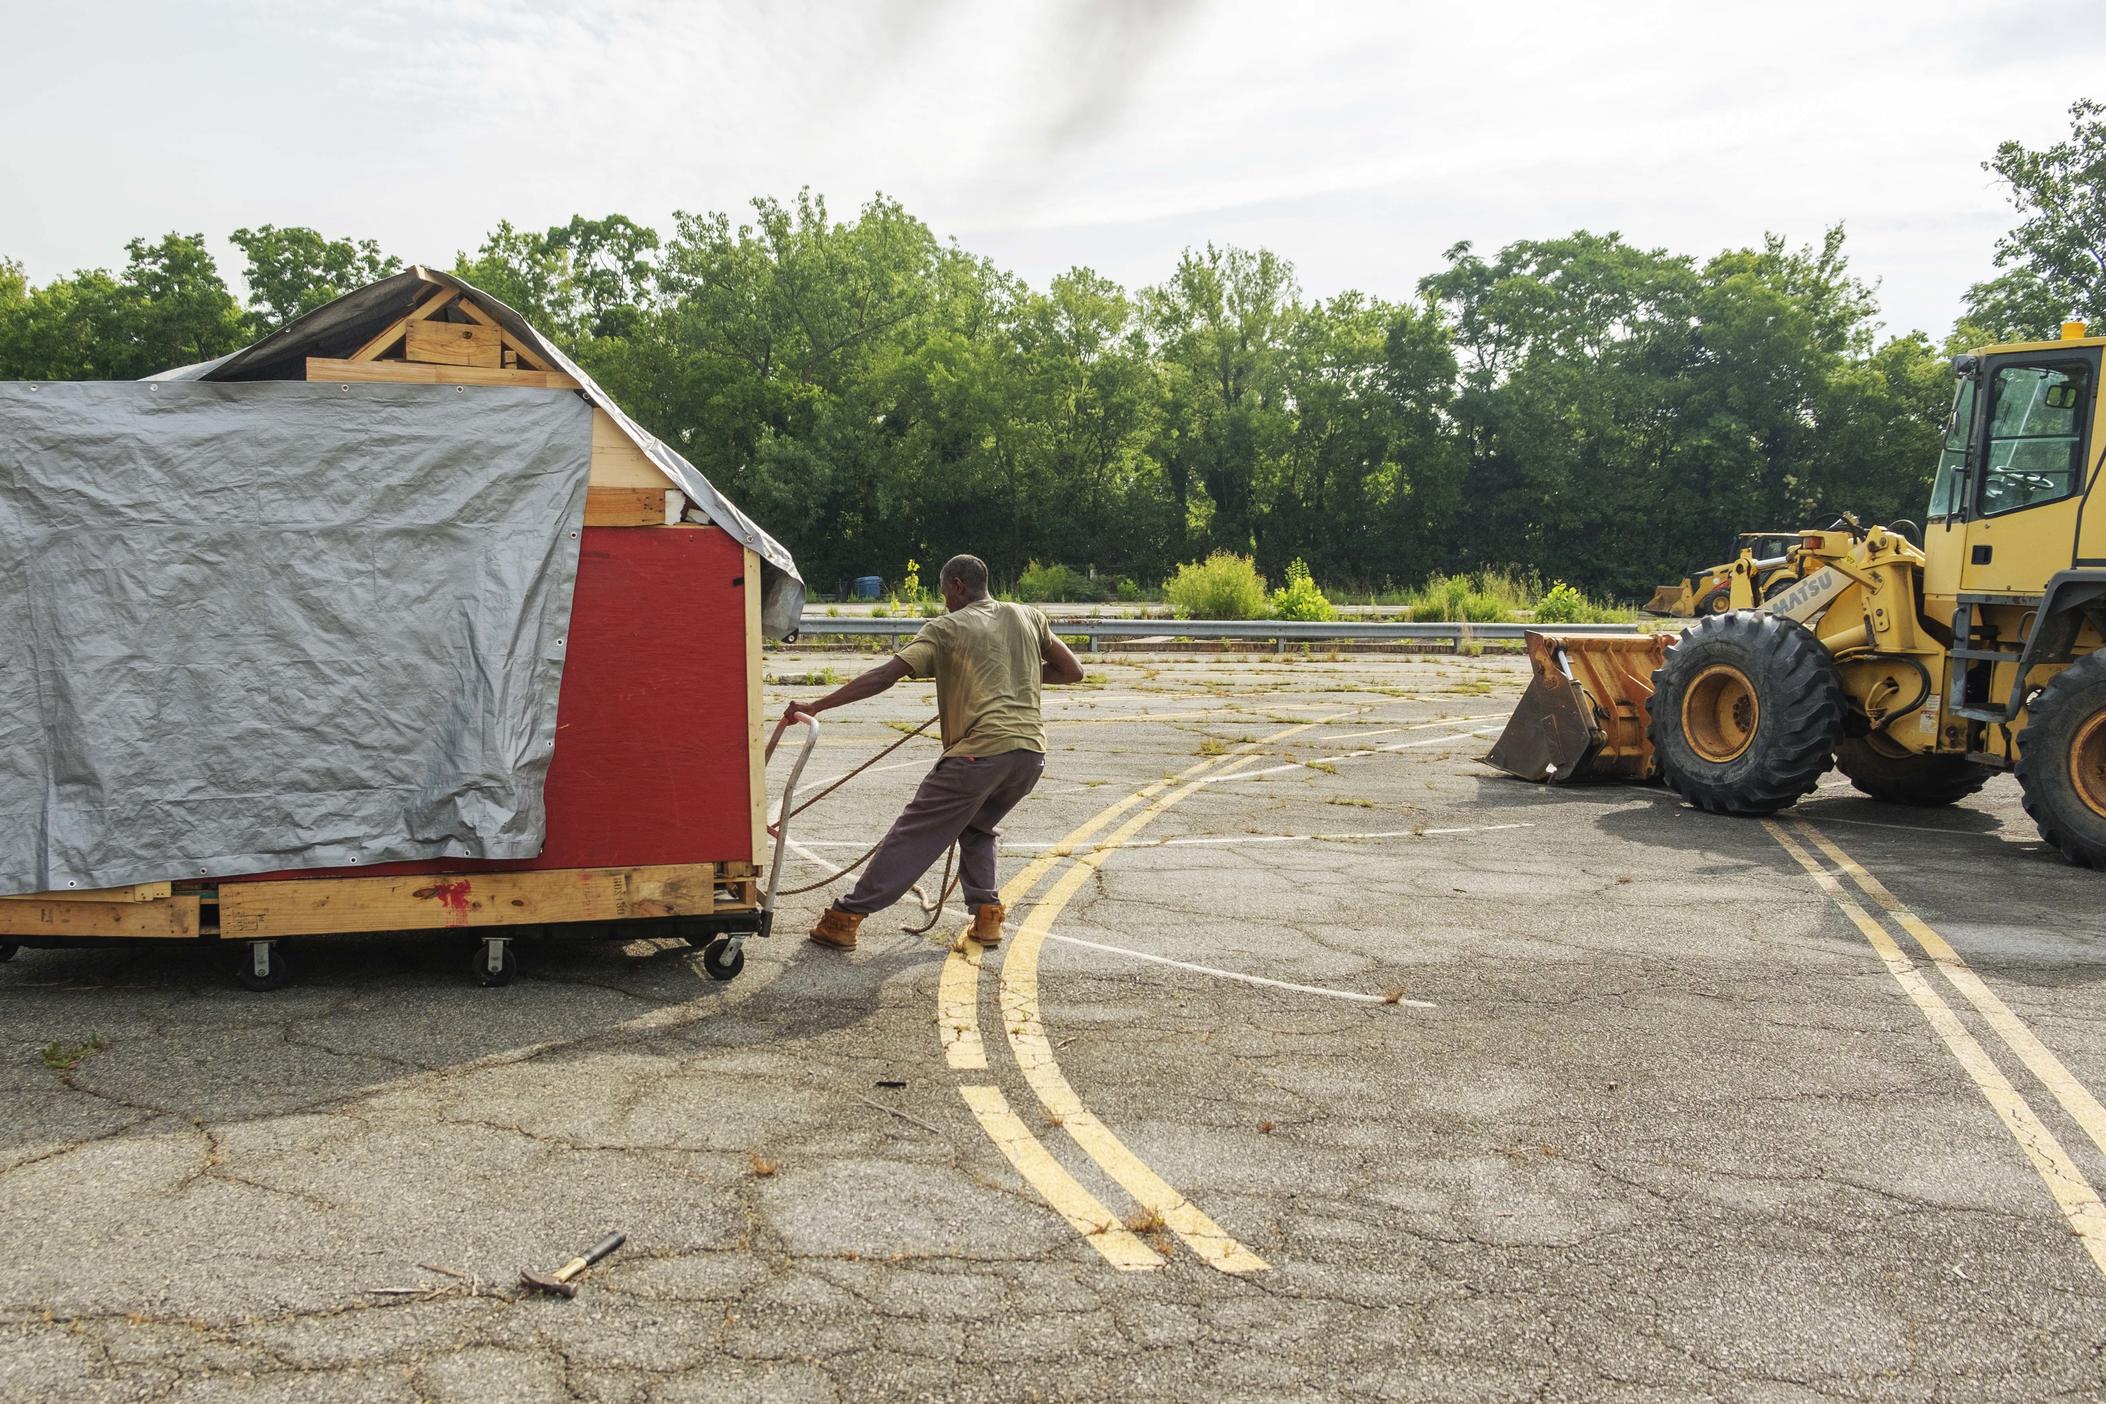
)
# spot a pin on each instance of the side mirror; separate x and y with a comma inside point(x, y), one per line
point(1965, 365)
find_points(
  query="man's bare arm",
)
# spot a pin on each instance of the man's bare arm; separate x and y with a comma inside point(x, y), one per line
point(1059, 664)
point(870, 684)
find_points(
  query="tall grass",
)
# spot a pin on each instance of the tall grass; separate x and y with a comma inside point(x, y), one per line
point(1501, 596)
point(1488, 597)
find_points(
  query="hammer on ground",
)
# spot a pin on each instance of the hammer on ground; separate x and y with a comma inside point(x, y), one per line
point(560, 1281)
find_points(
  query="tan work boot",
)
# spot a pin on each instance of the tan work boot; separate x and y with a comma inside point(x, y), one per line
point(987, 924)
point(837, 928)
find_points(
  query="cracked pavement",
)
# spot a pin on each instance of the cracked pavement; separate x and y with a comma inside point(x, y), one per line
point(1668, 1131)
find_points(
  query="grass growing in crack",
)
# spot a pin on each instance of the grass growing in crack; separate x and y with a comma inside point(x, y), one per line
point(762, 1166)
point(65, 1057)
point(824, 677)
point(1210, 747)
point(1350, 801)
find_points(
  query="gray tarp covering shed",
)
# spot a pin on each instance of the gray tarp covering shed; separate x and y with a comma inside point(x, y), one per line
point(279, 624)
point(336, 328)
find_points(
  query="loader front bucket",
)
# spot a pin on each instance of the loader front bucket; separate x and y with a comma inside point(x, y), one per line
point(1583, 716)
point(1676, 601)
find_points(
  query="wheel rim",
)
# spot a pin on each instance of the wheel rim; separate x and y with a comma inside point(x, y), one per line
point(1721, 603)
point(2087, 762)
point(1720, 713)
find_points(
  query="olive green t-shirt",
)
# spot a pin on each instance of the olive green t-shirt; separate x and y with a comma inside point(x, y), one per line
point(985, 659)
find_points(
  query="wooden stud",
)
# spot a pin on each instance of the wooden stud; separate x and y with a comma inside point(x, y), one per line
point(136, 892)
point(519, 348)
point(421, 373)
point(174, 917)
point(435, 304)
point(453, 344)
point(430, 306)
point(318, 906)
point(624, 507)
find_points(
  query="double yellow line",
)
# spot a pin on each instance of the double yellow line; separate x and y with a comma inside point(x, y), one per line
point(958, 1002)
point(2073, 1193)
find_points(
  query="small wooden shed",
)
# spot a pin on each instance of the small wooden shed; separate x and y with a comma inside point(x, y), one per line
point(655, 795)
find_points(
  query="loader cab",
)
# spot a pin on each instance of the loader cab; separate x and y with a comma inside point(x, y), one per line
point(2015, 467)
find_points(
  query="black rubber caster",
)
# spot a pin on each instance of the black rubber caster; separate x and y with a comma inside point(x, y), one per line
point(263, 967)
point(722, 960)
point(507, 964)
point(7, 951)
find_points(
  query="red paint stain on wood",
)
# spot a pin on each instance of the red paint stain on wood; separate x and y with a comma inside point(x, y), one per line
point(452, 895)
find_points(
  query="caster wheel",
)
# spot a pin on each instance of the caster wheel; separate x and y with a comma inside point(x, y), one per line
point(275, 974)
point(507, 970)
point(722, 961)
point(7, 951)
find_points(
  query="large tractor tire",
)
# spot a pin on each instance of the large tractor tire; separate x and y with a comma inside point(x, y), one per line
point(1887, 772)
point(1746, 713)
point(2062, 762)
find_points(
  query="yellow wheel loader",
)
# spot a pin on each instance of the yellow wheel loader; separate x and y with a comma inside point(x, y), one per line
point(1917, 671)
point(1764, 555)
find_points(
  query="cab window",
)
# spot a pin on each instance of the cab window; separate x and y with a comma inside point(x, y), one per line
point(2035, 453)
point(1952, 458)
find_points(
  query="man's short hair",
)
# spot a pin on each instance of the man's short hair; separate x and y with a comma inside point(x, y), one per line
point(968, 571)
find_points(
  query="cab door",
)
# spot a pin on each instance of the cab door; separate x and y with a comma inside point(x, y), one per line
point(2035, 424)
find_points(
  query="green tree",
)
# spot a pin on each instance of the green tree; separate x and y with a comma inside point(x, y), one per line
point(293, 270)
point(2056, 255)
point(168, 308)
point(1221, 326)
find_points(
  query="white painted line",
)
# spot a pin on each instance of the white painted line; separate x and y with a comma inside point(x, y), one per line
point(1226, 840)
point(1349, 755)
point(1239, 975)
point(803, 847)
point(1998, 834)
point(826, 780)
point(1419, 726)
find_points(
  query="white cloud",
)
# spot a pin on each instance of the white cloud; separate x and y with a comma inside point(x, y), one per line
point(1358, 140)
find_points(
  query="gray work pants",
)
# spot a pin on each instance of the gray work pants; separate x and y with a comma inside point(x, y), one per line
point(960, 801)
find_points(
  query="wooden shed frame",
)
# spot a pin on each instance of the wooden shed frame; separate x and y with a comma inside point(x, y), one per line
point(451, 338)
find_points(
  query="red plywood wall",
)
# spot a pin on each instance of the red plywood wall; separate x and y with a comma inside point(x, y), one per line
point(653, 759)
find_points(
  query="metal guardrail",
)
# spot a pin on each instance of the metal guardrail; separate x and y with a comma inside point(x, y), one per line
point(1094, 628)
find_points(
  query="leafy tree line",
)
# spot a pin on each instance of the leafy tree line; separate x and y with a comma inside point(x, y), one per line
point(1577, 408)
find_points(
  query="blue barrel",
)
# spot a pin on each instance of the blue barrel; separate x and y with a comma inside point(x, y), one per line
point(868, 587)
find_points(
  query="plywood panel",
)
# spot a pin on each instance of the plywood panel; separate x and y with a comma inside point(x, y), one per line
point(453, 344)
point(756, 723)
point(317, 906)
point(171, 917)
point(419, 373)
point(617, 461)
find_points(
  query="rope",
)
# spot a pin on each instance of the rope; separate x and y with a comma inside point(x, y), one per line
point(843, 780)
point(949, 884)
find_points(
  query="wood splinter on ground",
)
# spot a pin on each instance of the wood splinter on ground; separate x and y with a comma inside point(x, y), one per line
point(464, 1284)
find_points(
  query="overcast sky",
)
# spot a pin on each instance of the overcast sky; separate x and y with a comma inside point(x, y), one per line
point(1360, 141)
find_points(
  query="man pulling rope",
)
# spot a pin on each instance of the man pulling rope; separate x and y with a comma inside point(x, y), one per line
point(989, 660)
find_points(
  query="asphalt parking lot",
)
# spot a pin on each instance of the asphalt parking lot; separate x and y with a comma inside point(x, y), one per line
point(1322, 1062)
